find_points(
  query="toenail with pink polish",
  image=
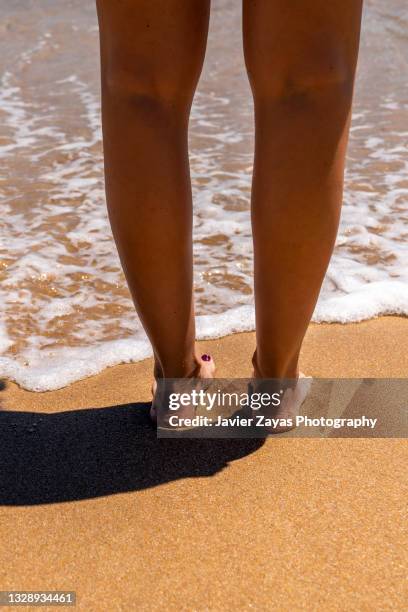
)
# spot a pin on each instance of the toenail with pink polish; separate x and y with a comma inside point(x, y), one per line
point(206, 357)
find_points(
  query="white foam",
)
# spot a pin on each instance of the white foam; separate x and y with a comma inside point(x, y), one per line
point(373, 300)
point(5, 341)
point(53, 369)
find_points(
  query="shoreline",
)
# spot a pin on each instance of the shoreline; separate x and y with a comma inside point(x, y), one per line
point(369, 349)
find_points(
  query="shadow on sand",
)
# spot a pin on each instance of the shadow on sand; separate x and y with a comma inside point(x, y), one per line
point(82, 454)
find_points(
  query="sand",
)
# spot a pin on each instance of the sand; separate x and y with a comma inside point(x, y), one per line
point(93, 502)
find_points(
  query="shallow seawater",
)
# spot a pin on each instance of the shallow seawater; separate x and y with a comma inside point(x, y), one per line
point(65, 308)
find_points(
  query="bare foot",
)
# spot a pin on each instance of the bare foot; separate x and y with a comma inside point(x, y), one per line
point(283, 417)
point(205, 369)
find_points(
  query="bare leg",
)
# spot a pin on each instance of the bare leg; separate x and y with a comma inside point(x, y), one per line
point(152, 54)
point(301, 58)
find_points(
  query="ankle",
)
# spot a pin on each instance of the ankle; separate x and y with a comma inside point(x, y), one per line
point(188, 367)
point(275, 368)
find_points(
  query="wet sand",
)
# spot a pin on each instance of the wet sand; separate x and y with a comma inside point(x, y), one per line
point(93, 502)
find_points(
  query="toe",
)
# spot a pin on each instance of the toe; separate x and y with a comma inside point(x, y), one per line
point(207, 367)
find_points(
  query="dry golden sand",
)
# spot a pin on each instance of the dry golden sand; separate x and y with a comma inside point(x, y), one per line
point(136, 523)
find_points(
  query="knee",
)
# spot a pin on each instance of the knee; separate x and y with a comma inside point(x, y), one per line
point(308, 85)
point(144, 90)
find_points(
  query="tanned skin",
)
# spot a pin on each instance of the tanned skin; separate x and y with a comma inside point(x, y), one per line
point(301, 58)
